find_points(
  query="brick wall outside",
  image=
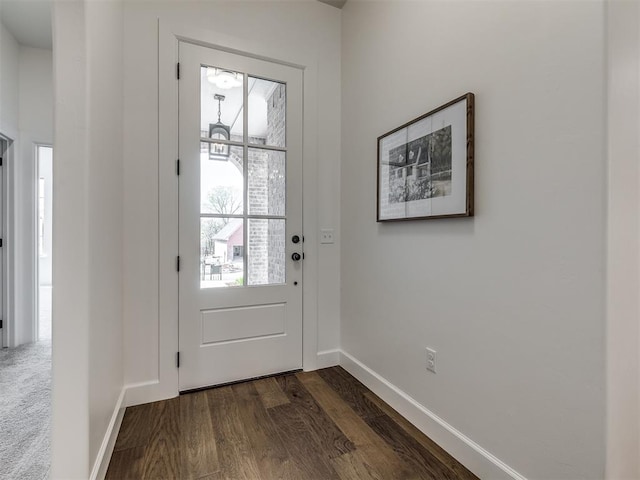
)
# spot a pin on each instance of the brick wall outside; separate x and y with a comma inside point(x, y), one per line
point(266, 173)
point(276, 110)
point(258, 193)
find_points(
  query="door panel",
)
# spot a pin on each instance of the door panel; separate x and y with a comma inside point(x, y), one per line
point(241, 323)
point(240, 195)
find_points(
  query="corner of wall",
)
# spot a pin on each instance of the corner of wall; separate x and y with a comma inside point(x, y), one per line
point(101, 463)
point(623, 240)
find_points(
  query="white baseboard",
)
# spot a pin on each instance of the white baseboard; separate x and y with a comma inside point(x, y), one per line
point(101, 464)
point(147, 392)
point(462, 448)
point(328, 358)
point(139, 393)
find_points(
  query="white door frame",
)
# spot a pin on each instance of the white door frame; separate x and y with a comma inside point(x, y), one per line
point(169, 34)
point(7, 311)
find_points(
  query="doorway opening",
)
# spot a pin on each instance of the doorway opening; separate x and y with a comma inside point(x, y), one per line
point(44, 156)
point(25, 367)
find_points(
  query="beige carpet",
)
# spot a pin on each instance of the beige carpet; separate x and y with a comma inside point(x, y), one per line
point(25, 404)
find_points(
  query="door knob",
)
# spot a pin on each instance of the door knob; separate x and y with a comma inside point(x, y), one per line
point(296, 257)
point(295, 239)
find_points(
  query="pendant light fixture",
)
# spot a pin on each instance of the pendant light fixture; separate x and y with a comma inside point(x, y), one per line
point(219, 131)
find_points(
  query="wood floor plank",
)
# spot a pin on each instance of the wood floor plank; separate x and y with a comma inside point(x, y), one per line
point(381, 458)
point(351, 391)
point(197, 442)
point(354, 466)
point(236, 459)
point(271, 455)
point(409, 450)
point(126, 464)
point(162, 455)
point(270, 393)
point(301, 443)
point(135, 428)
point(354, 394)
point(306, 426)
point(432, 447)
point(332, 441)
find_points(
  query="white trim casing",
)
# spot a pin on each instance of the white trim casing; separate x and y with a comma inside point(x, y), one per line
point(478, 460)
point(8, 278)
point(166, 384)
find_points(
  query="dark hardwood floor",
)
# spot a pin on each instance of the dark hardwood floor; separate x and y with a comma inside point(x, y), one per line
point(305, 426)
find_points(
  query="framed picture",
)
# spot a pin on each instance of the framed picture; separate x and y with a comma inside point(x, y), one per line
point(425, 167)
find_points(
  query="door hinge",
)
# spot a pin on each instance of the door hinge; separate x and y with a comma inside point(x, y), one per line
point(178, 70)
point(1, 324)
point(0, 161)
point(1, 243)
point(178, 167)
point(177, 359)
point(178, 263)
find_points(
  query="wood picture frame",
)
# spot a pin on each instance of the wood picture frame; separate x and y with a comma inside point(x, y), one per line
point(426, 166)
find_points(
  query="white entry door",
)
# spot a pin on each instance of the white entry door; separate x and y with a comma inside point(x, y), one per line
point(240, 195)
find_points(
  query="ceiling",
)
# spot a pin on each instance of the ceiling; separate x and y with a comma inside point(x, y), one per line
point(29, 21)
point(334, 3)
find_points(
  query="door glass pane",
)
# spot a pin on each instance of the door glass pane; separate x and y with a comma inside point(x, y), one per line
point(221, 252)
point(266, 182)
point(266, 252)
point(221, 98)
point(267, 112)
point(221, 182)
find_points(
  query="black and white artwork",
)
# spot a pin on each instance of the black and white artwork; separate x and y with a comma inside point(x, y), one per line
point(425, 167)
point(421, 168)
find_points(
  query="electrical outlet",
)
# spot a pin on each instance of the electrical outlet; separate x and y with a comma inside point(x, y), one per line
point(431, 360)
point(326, 235)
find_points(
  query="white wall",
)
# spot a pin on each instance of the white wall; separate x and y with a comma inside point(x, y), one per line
point(513, 299)
point(36, 93)
point(71, 301)
point(87, 299)
point(8, 83)
point(35, 74)
point(8, 127)
point(307, 30)
point(623, 260)
point(105, 26)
